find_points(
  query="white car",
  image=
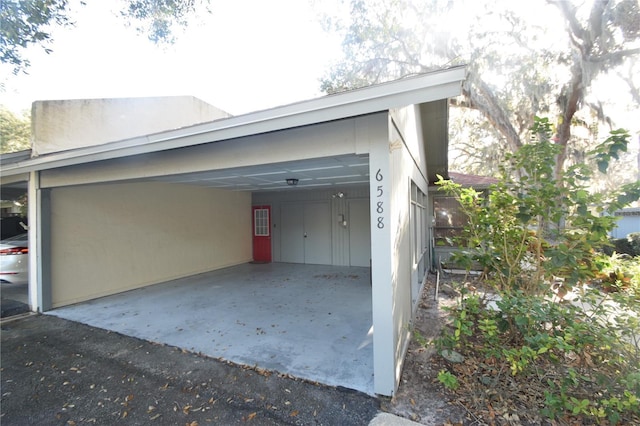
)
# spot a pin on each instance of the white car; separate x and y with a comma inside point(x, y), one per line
point(14, 259)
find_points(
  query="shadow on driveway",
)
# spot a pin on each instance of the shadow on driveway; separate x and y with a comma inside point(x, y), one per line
point(9, 308)
point(56, 371)
point(14, 299)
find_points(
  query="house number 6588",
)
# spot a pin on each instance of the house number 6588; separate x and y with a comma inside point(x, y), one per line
point(380, 204)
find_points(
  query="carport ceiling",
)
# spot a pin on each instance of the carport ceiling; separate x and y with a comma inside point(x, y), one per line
point(311, 174)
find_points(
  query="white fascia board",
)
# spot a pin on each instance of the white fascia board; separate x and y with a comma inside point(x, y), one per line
point(399, 93)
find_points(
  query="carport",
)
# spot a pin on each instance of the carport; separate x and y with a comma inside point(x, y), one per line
point(337, 182)
point(291, 316)
point(310, 321)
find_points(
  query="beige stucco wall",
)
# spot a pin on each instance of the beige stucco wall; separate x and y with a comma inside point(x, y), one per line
point(67, 124)
point(115, 237)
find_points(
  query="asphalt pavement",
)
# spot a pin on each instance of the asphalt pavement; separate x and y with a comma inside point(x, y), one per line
point(60, 372)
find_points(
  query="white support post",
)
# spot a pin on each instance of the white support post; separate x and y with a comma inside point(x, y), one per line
point(382, 267)
point(39, 245)
point(33, 196)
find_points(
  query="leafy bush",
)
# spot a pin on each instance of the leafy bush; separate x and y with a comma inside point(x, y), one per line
point(629, 245)
point(620, 272)
point(552, 337)
point(448, 380)
point(619, 245)
point(536, 224)
point(573, 361)
point(634, 240)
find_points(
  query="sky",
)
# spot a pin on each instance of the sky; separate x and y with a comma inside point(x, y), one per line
point(247, 55)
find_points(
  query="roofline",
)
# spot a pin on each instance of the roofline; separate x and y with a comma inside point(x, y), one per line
point(12, 157)
point(426, 87)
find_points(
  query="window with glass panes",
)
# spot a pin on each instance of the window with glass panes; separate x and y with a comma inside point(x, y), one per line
point(261, 222)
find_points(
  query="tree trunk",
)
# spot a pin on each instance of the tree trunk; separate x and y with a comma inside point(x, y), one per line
point(583, 40)
point(568, 103)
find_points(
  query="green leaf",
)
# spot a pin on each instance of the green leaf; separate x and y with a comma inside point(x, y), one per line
point(603, 165)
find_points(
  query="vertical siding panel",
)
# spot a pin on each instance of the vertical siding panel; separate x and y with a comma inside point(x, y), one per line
point(340, 234)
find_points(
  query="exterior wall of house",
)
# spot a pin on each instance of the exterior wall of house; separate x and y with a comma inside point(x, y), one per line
point(408, 167)
point(407, 134)
point(628, 222)
point(396, 161)
point(110, 238)
point(68, 124)
point(341, 225)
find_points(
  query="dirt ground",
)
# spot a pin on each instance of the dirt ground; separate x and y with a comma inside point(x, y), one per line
point(420, 396)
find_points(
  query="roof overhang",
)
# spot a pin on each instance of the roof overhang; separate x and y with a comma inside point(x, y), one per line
point(419, 89)
point(14, 157)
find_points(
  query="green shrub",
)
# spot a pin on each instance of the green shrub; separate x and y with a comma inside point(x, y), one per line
point(535, 224)
point(634, 241)
point(620, 272)
point(576, 361)
point(629, 245)
point(537, 237)
point(448, 380)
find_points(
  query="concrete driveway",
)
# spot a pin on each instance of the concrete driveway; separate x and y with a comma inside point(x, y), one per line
point(309, 321)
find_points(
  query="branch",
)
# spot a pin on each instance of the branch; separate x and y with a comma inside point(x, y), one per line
point(576, 31)
point(633, 89)
point(405, 50)
point(614, 57)
point(595, 19)
point(569, 12)
point(484, 100)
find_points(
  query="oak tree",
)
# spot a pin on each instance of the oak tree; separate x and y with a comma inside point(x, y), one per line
point(519, 65)
point(15, 131)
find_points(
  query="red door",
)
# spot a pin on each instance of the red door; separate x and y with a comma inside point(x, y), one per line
point(261, 233)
